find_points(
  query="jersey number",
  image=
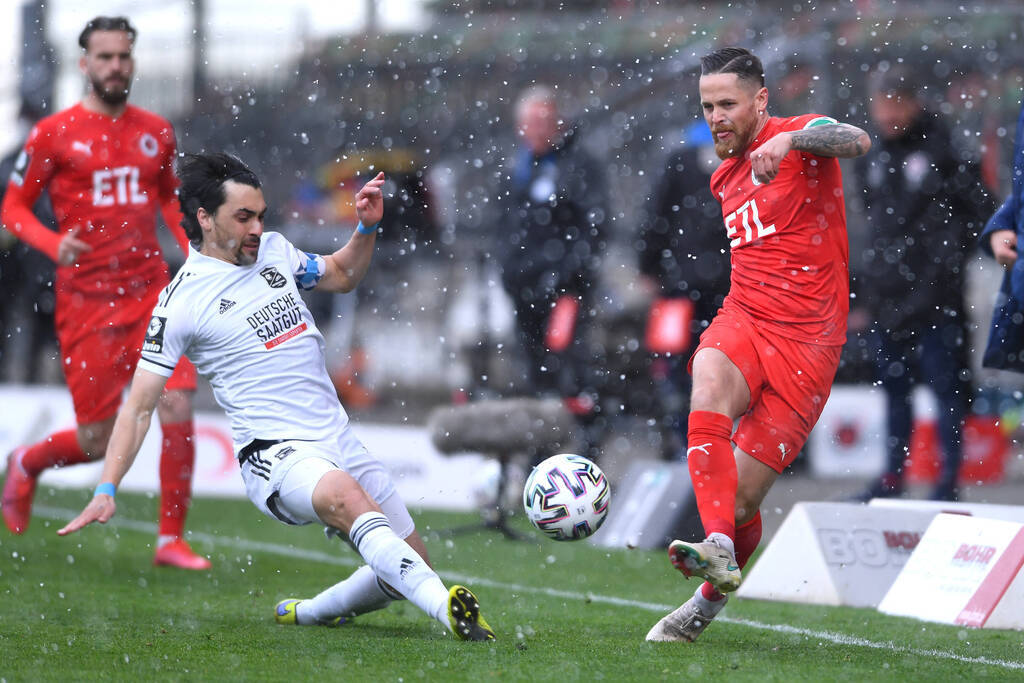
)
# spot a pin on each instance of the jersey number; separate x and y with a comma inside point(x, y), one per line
point(118, 185)
point(749, 219)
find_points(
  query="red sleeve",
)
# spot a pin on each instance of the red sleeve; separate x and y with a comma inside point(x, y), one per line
point(169, 205)
point(32, 173)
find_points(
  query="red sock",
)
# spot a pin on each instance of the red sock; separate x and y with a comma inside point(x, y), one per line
point(59, 449)
point(747, 538)
point(712, 471)
point(176, 461)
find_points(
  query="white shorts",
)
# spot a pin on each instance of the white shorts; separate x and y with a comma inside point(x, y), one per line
point(280, 479)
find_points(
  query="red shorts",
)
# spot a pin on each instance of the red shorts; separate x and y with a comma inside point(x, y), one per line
point(789, 383)
point(99, 358)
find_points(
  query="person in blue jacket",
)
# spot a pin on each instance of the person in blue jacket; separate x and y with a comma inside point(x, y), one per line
point(1005, 350)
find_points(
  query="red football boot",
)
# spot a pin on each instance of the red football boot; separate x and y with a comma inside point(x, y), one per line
point(179, 554)
point(19, 490)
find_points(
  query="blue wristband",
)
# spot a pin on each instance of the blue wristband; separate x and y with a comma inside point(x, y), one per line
point(107, 488)
point(363, 230)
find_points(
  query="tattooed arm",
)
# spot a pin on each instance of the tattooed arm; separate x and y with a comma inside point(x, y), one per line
point(832, 140)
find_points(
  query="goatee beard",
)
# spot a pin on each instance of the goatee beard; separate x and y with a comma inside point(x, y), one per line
point(113, 97)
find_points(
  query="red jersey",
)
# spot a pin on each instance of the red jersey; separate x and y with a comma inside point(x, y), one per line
point(790, 256)
point(107, 177)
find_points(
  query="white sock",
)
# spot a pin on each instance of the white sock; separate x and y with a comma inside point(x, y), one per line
point(708, 608)
point(164, 539)
point(723, 542)
point(358, 594)
point(395, 562)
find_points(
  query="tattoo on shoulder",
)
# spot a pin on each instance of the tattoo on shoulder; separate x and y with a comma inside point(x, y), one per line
point(832, 140)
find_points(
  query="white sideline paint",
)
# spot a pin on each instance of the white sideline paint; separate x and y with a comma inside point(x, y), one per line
point(351, 561)
point(423, 476)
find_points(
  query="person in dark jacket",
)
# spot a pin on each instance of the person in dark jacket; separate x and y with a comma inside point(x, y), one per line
point(550, 243)
point(683, 251)
point(923, 202)
point(1002, 236)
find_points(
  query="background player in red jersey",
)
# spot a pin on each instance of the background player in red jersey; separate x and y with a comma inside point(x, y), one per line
point(768, 359)
point(108, 166)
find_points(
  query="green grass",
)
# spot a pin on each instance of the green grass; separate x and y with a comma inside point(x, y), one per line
point(91, 606)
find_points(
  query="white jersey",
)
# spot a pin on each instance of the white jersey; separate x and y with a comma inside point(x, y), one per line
point(249, 333)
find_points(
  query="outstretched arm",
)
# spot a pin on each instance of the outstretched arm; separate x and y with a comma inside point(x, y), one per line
point(831, 140)
point(347, 266)
point(130, 429)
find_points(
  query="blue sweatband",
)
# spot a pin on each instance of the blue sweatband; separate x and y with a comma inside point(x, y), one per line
point(107, 488)
point(363, 230)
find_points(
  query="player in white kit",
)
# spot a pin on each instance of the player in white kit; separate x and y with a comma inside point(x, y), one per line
point(234, 309)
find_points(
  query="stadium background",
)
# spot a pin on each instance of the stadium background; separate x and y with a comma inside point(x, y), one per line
point(423, 90)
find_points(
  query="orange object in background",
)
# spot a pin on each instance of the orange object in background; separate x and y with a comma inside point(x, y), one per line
point(668, 325)
point(985, 450)
point(562, 323)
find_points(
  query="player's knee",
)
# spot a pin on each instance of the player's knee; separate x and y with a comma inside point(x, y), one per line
point(338, 500)
point(93, 440)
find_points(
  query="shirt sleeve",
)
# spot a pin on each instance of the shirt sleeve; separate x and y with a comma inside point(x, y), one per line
point(32, 172)
point(307, 269)
point(168, 335)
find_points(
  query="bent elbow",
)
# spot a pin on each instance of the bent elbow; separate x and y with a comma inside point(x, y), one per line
point(863, 143)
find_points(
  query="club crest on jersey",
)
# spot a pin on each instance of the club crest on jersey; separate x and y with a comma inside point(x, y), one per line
point(154, 341)
point(273, 277)
point(753, 178)
point(148, 145)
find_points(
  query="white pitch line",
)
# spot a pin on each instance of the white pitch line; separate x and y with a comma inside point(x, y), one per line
point(343, 560)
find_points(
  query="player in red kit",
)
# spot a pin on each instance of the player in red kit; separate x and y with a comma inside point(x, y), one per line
point(764, 367)
point(108, 166)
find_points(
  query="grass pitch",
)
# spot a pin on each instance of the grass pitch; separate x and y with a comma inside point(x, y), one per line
point(92, 606)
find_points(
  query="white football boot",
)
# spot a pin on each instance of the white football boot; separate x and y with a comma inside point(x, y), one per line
point(709, 561)
point(686, 623)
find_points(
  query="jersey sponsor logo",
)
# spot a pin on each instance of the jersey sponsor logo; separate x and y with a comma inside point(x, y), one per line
point(278, 321)
point(148, 145)
point(225, 304)
point(294, 332)
point(750, 220)
point(20, 166)
point(83, 147)
point(119, 185)
point(154, 342)
point(273, 277)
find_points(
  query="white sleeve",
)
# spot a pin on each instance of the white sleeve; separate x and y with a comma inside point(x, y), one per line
point(167, 337)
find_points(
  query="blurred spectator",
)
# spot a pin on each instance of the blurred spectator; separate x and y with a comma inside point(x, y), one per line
point(1001, 237)
point(923, 206)
point(683, 252)
point(549, 244)
point(26, 293)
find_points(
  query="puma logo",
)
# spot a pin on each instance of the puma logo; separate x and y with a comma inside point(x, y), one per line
point(783, 450)
point(82, 147)
point(703, 448)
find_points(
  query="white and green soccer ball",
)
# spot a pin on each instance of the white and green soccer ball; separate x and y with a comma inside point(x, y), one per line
point(566, 497)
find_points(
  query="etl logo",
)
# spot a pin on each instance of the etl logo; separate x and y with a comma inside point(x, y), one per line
point(974, 554)
point(118, 185)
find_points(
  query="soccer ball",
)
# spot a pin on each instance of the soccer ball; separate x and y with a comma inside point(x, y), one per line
point(566, 497)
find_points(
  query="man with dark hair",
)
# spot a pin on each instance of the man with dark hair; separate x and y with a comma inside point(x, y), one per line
point(235, 309)
point(108, 167)
point(923, 203)
point(766, 363)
